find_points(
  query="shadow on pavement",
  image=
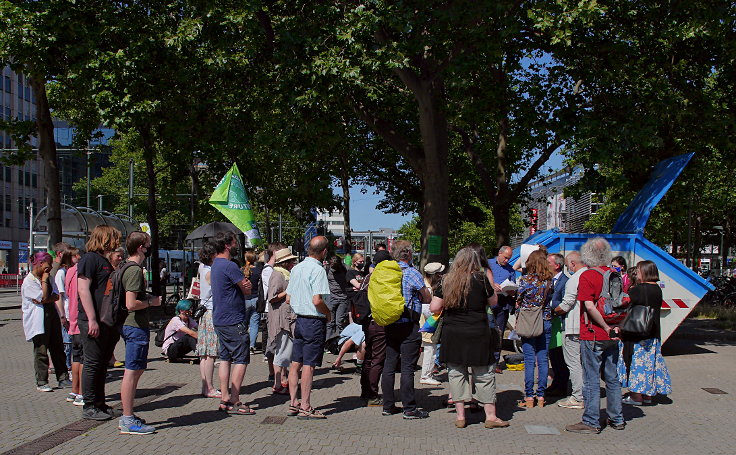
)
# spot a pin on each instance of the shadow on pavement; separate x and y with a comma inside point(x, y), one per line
point(681, 346)
point(174, 402)
point(192, 419)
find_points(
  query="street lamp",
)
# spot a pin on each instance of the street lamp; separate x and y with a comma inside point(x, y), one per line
point(720, 249)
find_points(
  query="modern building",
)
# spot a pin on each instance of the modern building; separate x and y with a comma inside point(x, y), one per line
point(333, 222)
point(23, 185)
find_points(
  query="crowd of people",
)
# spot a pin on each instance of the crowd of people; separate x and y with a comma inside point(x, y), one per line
point(314, 306)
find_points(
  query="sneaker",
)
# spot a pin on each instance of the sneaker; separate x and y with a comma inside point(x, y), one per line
point(135, 426)
point(78, 401)
point(140, 419)
point(65, 384)
point(252, 351)
point(393, 410)
point(570, 403)
point(373, 402)
point(429, 381)
point(415, 414)
point(71, 397)
point(44, 388)
point(94, 413)
point(113, 412)
point(628, 400)
point(582, 428)
point(616, 426)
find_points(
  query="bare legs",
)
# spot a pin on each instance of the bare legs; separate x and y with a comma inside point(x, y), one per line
point(128, 388)
point(307, 373)
point(232, 380)
point(206, 372)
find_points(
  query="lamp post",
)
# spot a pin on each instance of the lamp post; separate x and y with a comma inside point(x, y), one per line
point(720, 249)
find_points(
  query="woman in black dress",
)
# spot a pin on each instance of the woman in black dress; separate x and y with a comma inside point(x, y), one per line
point(466, 338)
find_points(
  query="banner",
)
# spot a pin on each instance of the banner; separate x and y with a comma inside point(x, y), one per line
point(230, 198)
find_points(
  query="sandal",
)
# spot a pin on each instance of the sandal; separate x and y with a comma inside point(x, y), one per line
point(526, 403)
point(283, 390)
point(241, 410)
point(337, 368)
point(540, 402)
point(294, 410)
point(309, 414)
point(225, 406)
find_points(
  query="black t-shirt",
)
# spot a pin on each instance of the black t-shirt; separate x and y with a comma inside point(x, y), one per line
point(648, 295)
point(98, 269)
point(353, 274)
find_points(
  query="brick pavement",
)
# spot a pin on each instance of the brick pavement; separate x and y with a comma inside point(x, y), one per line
point(694, 421)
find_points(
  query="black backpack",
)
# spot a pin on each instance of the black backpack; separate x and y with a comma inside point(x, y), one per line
point(161, 334)
point(361, 305)
point(113, 310)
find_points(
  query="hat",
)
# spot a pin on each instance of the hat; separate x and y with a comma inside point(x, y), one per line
point(284, 254)
point(433, 267)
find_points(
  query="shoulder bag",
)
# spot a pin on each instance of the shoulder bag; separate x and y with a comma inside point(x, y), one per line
point(529, 322)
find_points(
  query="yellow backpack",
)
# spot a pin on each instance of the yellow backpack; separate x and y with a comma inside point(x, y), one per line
point(384, 293)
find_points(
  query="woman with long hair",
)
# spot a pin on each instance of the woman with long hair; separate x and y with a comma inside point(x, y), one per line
point(642, 368)
point(535, 289)
point(252, 270)
point(207, 341)
point(463, 298)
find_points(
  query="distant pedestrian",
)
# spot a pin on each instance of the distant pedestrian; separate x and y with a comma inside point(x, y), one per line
point(338, 300)
point(307, 290)
point(252, 270)
point(207, 342)
point(42, 324)
point(70, 285)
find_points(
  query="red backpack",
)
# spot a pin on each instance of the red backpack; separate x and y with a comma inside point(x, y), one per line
point(613, 301)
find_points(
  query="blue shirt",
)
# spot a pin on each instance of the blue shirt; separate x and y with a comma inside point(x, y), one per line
point(500, 274)
point(228, 303)
point(308, 278)
point(411, 283)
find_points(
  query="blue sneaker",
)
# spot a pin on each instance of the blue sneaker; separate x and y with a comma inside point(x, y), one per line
point(135, 426)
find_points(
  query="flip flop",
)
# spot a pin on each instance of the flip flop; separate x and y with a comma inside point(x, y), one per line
point(241, 410)
point(225, 406)
point(294, 410)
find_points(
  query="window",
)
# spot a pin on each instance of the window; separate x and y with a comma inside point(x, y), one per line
point(7, 113)
point(27, 94)
point(20, 177)
point(20, 205)
point(2, 168)
point(34, 180)
point(20, 87)
point(7, 176)
point(8, 85)
point(28, 179)
point(7, 222)
point(8, 206)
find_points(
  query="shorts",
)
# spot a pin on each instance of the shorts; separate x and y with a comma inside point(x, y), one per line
point(136, 347)
point(234, 343)
point(309, 341)
point(77, 349)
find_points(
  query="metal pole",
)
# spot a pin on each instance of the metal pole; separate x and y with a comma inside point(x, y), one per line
point(720, 251)
point(130, 189)
point(280, 228)
point(30, 236)
point(89, 178)
point(688, 260)
point(99, 202)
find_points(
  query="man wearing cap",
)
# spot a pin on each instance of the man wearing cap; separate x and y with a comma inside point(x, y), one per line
point(502, 271)
point(306, 292)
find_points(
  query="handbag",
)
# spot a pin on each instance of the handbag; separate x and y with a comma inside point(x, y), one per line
point(639, 321)
point(437, 335)
point(529, 320)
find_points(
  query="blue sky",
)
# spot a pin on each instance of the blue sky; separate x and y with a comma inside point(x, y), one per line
point(365, 216)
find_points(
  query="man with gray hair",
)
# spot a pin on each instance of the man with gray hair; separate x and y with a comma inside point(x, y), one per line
point(598, 344)
point(571, 341)
point(403, 338)
point(502, 271)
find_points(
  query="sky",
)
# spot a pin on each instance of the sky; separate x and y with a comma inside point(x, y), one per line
point(364, 215)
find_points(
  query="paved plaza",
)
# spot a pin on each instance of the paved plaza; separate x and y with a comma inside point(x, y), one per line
point(690, 421)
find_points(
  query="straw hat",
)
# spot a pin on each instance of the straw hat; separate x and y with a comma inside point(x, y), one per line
point(284, 254)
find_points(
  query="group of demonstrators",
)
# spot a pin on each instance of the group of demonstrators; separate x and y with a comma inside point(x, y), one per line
point(70, 311)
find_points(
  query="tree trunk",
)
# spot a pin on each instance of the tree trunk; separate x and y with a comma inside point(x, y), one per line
point(47, 152)
point(502, 224)
point(433, 172)
point(345, 184)
point(148, 155)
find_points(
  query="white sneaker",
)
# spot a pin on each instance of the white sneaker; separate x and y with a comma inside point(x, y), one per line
point(570, 403)
point(79, 401)
point(429, 381)
point(44, 388)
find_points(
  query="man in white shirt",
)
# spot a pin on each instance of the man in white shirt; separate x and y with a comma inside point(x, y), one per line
point(571, 342)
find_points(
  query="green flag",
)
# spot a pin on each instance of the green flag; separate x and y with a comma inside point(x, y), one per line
point(232, 201)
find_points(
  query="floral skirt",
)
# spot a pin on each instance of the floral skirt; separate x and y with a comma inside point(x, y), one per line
point(207, 341)
point(648, 374)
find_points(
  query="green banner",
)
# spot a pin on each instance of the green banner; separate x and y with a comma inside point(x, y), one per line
point(230, 198)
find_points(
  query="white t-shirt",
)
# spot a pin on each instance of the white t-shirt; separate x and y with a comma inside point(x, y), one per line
point(31, 290)
point(205, 288)
point(61, 289)
point(265, 278)
point(173, 331)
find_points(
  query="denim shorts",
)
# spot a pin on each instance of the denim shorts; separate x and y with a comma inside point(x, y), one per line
point(309, 341)
point(77, 349)
point(234, 343)
point(136, 347)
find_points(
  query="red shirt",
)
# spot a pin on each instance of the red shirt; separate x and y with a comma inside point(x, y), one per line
point(589, 288)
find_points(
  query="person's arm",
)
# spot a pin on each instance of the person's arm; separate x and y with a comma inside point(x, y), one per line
point(319, 302)
point(436, 305)
point(188, 331)
point(596, 316)
point(424, 295)
point(355, 284)
point(243, 282)
point(133, 304)
point(85, 297)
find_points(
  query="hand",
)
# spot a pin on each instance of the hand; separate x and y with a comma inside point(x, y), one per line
point(496, 287)
point(45, 276)
point(94, 329)
point(559, 311)
point(328, 316)
point(65, 323)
